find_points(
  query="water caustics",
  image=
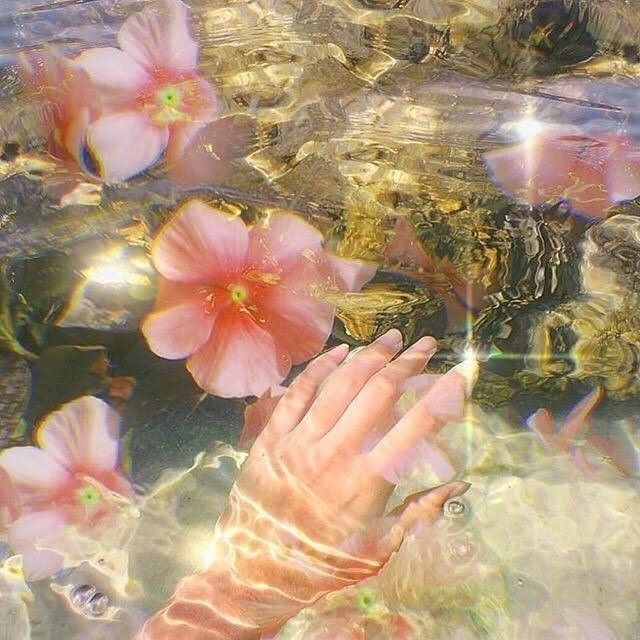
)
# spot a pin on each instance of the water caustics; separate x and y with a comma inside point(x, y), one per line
point(199, 198)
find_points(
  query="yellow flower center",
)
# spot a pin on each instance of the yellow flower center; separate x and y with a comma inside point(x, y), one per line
point(169, 97)
point(238, 294)
point(88, 495)
point(169, 101)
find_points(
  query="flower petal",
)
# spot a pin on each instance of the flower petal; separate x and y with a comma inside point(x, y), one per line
point(300, 322)
point(35, 475)
point(201, 102)
point(200, 244)
point(124, 144)
point(9, 509)
point(585, 191)
point(82, 436)
point(115, 72)
point(75, 134)
point(31, 535)
point(200, 154)
point(283, 240)
point(258, 413)
point(240, 359)
point(350, 275)
point(536, 171)
point(41, 564)
point(181, 322)
point(623, 173)
point(158, 37)
point(560, 165)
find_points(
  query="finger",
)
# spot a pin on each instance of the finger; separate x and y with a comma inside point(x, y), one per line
point(443, 403)
point(427, 505)
point(296, 401)
point(343, 385)
point(372, 406)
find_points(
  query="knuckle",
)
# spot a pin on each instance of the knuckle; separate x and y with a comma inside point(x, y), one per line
point(385, 385)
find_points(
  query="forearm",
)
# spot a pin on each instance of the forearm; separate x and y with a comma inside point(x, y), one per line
point(253, 584)
point(205, 606)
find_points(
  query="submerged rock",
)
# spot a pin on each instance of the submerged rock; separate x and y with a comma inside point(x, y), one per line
point(15, 384)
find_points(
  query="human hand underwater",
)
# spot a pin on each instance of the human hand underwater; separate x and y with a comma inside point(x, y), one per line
point(306, 514)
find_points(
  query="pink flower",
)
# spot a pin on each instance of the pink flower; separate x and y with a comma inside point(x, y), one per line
point(154, 99)
point(244, 304)
point(68, 98)
point(588, 172)
point(68, 480)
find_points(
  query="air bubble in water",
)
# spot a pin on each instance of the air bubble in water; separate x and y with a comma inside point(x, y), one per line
point(81, 595)
point(89, 600)
point(455, 508)
point(98, 605)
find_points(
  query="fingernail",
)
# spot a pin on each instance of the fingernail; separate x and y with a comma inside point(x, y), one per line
point(391, 339)
point(457, 488)
point(427, 345)
point(468, 369)
point(339, 352)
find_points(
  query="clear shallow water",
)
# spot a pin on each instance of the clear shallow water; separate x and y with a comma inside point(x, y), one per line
point(356, 116)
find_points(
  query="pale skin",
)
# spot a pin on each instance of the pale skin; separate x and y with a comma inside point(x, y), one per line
point(306, 515)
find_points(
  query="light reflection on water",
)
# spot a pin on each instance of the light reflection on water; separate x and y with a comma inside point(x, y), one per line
point(371, 120)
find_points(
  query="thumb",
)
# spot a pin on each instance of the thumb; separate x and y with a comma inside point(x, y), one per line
point(422, 508)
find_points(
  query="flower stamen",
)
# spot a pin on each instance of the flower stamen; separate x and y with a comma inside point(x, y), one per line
point(238, 294)
point(88, 495)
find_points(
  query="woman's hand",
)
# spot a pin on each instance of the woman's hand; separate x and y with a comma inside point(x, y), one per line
point(306, 514)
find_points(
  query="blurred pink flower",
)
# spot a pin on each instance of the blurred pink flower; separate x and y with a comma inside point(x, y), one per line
point(68, 99)
point(588, 172)
point(153, 98)
point(244, 304)
point(67, 480)
point(614, 443)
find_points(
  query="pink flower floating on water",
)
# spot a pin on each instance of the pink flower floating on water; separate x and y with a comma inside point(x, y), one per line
point(70, 479)
point(588, 172)
point(154, 97)
point(116, 111)
point(244, 304)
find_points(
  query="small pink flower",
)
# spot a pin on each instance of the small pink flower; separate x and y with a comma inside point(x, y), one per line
point(154, 99)
point(68, 480)
point(244, 304)
point(588, 172)
point(68, 99)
